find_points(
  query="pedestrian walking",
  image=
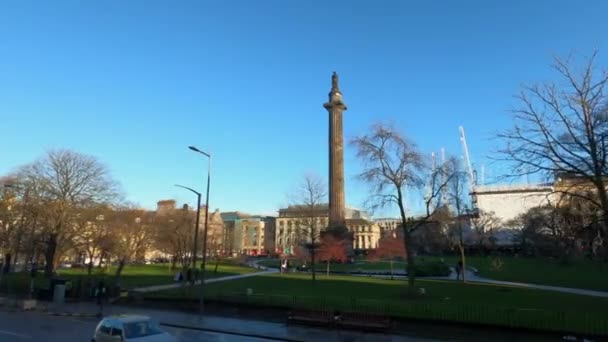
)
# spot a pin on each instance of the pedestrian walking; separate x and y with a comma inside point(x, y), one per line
point(100, 295)
point(459, 270)
point(189, 276)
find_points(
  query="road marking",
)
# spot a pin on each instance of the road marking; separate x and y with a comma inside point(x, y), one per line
point(10, 333)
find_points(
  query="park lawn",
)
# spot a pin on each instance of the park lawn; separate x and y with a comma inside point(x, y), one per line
point(444, 300)
point(578, 273)
point(132, 276)
point(148, 275)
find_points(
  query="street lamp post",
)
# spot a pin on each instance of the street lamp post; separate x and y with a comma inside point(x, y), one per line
point(208, 155)
point(198, 214)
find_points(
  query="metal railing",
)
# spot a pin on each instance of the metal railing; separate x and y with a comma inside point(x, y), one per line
point(534, 319)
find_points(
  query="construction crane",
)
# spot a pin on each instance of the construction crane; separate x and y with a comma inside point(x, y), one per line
point(444, 192)
point(429, 190)
point(469, 166)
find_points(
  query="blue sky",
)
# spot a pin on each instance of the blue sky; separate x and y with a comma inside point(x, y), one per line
point(135, 82)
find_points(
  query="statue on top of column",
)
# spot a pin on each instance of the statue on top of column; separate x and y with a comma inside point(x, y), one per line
point(334, 82)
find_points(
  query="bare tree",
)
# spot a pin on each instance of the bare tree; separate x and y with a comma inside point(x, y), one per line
point(484, 224)
point(91, 233)
point(392, 165)
point(310, 197)
point(563, 130)
point(67, 181)
point(133, 232)
point(173, 235)
point(457, 198)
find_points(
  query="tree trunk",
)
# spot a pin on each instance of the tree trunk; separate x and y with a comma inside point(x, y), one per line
point(462, 260)
point(173, 263)
point(411, 263)
point(312, 262)
point(217, 263)
point(121, 265)
point(90, 265)
point(49, 255)
point(391, 262)
point(101, 256)
point(32, 250)
point(328, 267)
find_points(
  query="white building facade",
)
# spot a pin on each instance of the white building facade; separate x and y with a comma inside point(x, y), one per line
point(507, 202)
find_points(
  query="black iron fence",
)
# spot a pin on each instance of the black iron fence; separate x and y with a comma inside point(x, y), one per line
point(591, 324)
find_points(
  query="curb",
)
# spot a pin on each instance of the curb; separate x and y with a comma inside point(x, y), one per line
point(180, 326)
point(226, 332)
point(73, 314)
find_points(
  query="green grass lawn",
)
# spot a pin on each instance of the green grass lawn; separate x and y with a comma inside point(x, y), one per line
point(147, 275)
point(578, 273)
point(445, 300)
point(132, 276)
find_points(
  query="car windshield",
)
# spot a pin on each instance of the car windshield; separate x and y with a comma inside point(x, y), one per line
point(141, 329)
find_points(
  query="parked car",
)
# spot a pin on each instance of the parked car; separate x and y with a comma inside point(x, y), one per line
point(130, 328)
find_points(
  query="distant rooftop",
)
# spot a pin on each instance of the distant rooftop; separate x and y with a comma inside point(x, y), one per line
point(516, 188)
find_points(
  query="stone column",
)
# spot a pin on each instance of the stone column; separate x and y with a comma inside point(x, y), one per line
point(335, 107)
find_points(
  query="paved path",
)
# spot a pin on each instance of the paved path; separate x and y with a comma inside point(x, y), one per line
point(252, 264)
point(472, 277)
point(207, 281)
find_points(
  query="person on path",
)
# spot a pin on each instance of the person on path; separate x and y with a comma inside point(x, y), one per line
point(100, 294)
point(459, 270)
point(189, 276)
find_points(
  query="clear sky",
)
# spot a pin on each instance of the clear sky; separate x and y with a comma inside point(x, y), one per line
point(135, 82)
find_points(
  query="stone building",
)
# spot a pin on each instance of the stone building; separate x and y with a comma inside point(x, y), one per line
point(216, 229)
point(247, 234)
point(388, 225)
point(165, 206)
point(269, 233)
point(290, 233)
point(215, 233)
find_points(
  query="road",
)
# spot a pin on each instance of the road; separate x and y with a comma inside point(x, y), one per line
point(27, 326)
point(35, 326)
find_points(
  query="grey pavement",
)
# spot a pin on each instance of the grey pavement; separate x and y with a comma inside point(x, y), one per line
point(472, 277)
point(32, 325)
point(207, 281)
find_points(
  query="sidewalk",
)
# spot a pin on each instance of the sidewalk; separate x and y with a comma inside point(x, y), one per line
point(474, 278)
point(235, 326)
point(198, 282)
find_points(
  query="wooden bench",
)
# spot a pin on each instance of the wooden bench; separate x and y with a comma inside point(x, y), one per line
point(363, 321)
point(310, 317)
